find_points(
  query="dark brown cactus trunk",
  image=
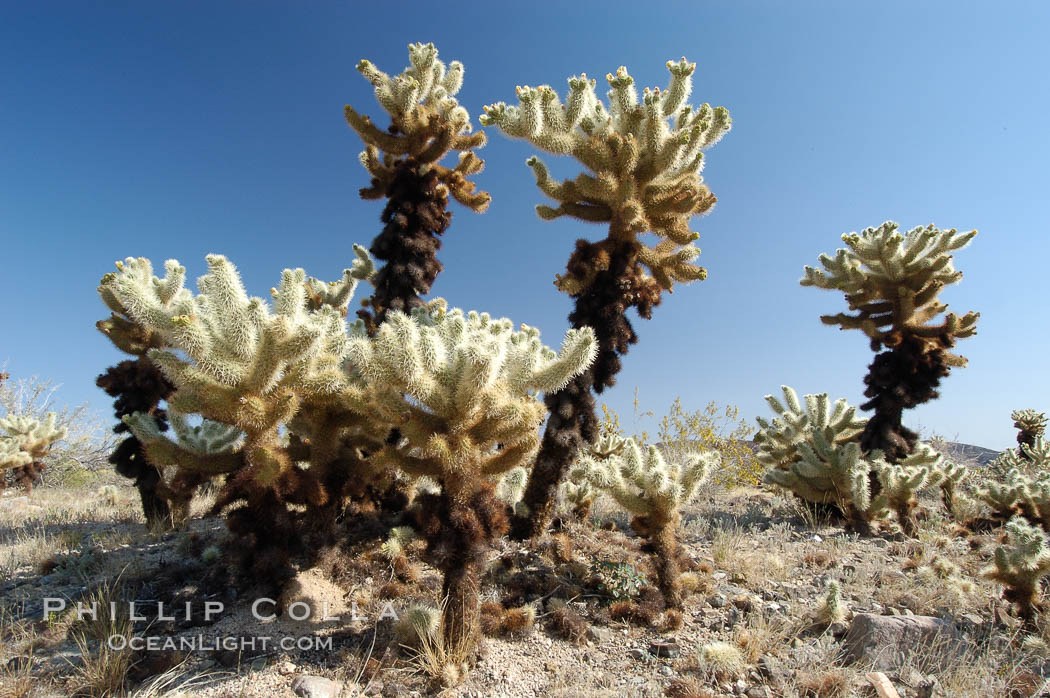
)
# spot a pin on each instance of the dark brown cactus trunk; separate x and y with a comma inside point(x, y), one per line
point(663, 537)
point(415, 217)
point(139, 386)
point(619, 284)
point(460, 525)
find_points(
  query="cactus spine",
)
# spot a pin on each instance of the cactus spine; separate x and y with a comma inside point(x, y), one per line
point(644, 177)
point(891, 281)
point(426, 124)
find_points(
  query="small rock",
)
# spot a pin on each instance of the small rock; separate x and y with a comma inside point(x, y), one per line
point(719, 576)
point(259, 663)
point(838, 629)
point(758, 692)
point(667, 648)
point(309, 686)
point(666, 670)
point(636, 653)
point(717, 601)
point(886, 641)
point(286, 668)
point(599, 635)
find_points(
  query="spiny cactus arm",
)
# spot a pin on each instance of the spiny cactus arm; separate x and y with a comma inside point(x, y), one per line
point(779, 441)
point(1004, 497)
point(512, 485)
point(192, 455)
point(427, 122)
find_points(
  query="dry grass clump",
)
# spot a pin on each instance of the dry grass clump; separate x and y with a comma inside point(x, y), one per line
point(102, 640)
point(763, 634)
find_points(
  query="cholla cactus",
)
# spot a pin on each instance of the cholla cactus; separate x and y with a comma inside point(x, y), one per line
point(655, 491)
point(831, 609)
point(462, 388)
point(644, 177)
point(778, 441)
point(892, 282)
point(24, 444)
point(1004, 495)
point(813, 452)
point(426, 123)
point(949, 476)
point(1032, 459)
point(900, 482)
point(1019, 565)
point(137, 386)
point(1030, 426)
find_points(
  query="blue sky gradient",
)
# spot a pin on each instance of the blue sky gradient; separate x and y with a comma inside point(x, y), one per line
point(174, 130)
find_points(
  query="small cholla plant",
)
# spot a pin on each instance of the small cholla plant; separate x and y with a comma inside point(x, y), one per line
point(950, 475)
point(892, 281)
point(426, 123)
point(831, 609)
point(654, 491)
point(813, 452)
point(1030, 426)
point(1033, 458)
point(462, 390)
point(1019, 565)
point(644, 177)
point(24, 441)
point(139, 387)
point(901, 482)
point(1019, 493)
point(618, 580)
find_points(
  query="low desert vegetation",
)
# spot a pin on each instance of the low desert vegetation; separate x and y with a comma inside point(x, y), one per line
point(451, 467)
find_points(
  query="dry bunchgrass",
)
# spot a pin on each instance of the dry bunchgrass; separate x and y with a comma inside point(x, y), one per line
point(101, 637)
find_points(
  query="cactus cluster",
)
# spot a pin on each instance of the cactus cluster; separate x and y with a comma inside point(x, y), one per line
point(1030, 426)
point(814, 452)
point(24, 441)
point(644, 177)
point(298, 405)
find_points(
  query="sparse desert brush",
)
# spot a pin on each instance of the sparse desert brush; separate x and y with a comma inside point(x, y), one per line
point(654, 490)
point(644, 178)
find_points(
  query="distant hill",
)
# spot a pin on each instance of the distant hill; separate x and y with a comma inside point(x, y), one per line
point(966, 453)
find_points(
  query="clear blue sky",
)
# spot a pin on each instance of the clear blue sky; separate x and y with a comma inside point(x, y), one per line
point(181, 129)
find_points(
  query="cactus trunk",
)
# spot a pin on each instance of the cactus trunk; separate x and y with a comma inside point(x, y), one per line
point(602, 305)
point(666, 554)
point(416, 214)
